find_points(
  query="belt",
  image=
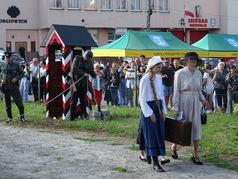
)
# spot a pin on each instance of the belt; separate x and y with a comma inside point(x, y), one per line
point(193, 93)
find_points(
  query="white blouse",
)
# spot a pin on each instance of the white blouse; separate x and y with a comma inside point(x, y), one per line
point(146, 94)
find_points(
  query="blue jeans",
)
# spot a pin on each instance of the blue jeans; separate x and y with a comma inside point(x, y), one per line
point(114, 95)
point(24, 89)
point(123, 93)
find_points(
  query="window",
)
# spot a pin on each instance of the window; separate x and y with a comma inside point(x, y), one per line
point(135, 5)
point(90, 4)
point(73, 4)
point(121, 4)
point(152, 4)
point(110, 37)
point(56, 4)
point(106, 4)
point(163, 5)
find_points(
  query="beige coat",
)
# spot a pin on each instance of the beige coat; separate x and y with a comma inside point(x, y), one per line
point(187, 96)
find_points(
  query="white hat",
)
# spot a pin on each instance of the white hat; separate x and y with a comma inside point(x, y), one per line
point(154, 61)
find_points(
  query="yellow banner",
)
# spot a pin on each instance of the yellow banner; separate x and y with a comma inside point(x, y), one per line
point(223, 54)
point(147, 53)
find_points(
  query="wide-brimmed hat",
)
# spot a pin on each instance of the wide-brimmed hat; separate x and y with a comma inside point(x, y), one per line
point(154, 61)
point(8, 54)
point(192, 56)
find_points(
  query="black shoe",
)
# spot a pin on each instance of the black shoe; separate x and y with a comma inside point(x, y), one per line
point(174, 154)
point(148, 159)
point(158, 168)
point(143, 159)
point(164, 161)
point(197, 161)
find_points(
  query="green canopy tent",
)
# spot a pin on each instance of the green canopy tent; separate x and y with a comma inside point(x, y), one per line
point(135, 43)
point(219, 45)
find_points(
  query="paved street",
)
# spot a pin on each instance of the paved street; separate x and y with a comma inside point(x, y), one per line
point(40, 153)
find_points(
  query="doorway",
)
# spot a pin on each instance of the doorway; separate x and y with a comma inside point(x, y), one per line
point(20, 49)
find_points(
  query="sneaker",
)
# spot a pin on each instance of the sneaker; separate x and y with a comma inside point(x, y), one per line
point(209, 111)
point(23, 120)
point(9, 120)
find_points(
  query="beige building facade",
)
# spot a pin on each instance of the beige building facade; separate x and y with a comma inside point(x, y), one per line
point(24, 23)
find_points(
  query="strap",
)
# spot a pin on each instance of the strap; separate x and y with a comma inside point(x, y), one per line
point(155, 96)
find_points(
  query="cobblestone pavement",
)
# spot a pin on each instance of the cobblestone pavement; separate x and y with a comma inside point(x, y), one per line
point(40, 153)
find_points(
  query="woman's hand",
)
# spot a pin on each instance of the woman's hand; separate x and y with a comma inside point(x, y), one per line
point(176, 114)
point(204, 103)
point(153, 118)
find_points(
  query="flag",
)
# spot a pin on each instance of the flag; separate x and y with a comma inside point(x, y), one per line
point(188, 11)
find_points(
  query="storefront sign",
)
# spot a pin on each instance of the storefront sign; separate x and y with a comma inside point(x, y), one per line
point(198, 22)
point(13, 12)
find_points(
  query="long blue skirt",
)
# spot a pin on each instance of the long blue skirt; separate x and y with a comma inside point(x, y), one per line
point(153, 132)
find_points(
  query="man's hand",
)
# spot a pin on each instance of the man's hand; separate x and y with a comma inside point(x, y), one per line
point(3, 81)
point(86, 75)
point(153, 118)
point(14, 80)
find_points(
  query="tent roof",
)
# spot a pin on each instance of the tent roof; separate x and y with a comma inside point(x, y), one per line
point(134, 43)
point(219, 45)
point(70, 36)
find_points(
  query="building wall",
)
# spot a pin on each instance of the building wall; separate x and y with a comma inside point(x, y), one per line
point(232, 17)
point(102, 22)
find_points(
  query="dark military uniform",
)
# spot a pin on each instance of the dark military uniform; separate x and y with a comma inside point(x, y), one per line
point(79, 68)
point(10, 71)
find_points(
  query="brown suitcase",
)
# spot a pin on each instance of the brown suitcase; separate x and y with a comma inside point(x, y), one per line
point(178, 132)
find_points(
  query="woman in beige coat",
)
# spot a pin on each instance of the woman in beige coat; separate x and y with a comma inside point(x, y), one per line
point(187, 97)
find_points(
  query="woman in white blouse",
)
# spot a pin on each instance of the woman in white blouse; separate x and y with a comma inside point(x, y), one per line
point(154, 110)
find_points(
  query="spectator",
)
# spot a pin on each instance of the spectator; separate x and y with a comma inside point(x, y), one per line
point(130, 82)
point(98, 85)
point(232, 92)
point(208, 87)
point(34, 70)
point(221, 87)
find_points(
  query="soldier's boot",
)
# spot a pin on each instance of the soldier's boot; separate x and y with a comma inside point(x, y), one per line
point(9, 114)
point(21, 111)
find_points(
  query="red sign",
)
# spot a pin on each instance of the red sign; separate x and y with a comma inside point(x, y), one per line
point(198, 22)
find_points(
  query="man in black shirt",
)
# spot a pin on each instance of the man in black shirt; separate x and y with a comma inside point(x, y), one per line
point(167, 78)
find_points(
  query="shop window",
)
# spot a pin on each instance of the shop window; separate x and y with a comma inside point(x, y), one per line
point(164, 5)
point(90, 4)
point(135, 5)
point(56, 4)
point(106, 4)
point(121, 4)
point(73, 4)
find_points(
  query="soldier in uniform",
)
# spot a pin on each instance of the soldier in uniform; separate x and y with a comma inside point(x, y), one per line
point(81, 68)
point(11, 75)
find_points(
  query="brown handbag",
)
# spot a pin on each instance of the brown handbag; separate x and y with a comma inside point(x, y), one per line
point(178, 132)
